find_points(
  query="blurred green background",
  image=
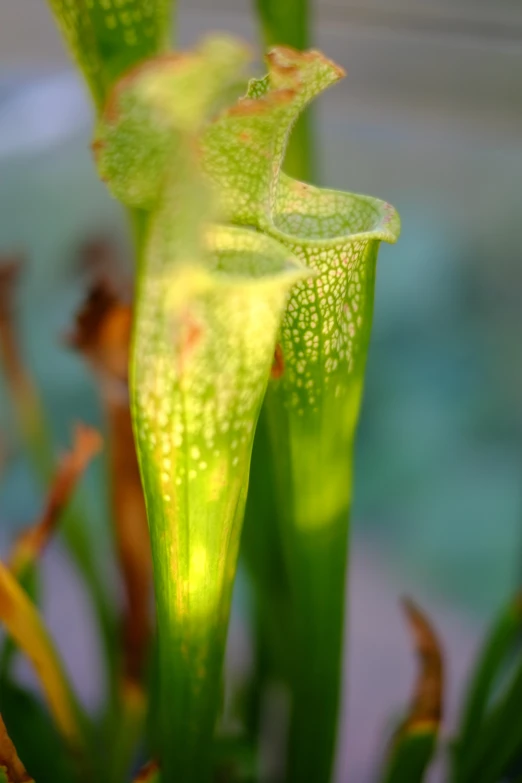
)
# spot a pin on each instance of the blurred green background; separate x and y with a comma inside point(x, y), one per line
point(429, 118)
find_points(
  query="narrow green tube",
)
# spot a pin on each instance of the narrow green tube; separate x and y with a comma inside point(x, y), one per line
point(312, 449)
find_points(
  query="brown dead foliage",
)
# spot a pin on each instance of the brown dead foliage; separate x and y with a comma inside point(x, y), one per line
point(87, 442)
point(147, 773)
point(427, 704)
point(102, 335)
point(19, 383)
point(9, 762)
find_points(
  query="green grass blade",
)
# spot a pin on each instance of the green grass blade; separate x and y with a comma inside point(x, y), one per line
point(26, 627)
point(497, 744)
point(128, 732)
point(412, 757)
point(493, 658)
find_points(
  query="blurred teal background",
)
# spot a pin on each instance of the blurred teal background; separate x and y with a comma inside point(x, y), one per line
point(429, 118)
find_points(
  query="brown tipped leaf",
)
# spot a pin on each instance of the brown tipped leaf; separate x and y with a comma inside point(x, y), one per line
point(415, 742)
point(11, 768)
point(29, 546)
point(427, 704)
point(23, 622)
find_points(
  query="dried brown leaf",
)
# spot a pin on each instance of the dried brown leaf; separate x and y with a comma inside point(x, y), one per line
point(147, 773)
point(427, 704)
point(99, 257)
point(18, 380)
point(15, 771)
point(87, 442)
point(102, 333)
point(10, 268)
point(132, 540)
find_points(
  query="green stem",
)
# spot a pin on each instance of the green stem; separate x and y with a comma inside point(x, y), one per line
point(300, 585)
point(312, 452)
point(261, 549)
point(316, 551)
point(289, 22)
point(191, 643)
point(319, 604)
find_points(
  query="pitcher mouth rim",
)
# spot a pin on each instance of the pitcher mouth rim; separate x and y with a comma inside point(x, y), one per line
point(386, 225)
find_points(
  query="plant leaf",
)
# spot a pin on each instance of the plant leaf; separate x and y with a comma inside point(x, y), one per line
point(24, 624)
point(312, 404)
point(416, 740)
point(29, 546)
point(35, 736)
point(204, 345)
point(41, 452)
point(128, 731)
point(11, 768)
point(102, 334)
point(144, 125)
point(245, 147)
point(19, 384)
point(493, 658)
point(497, 745)
point(412, 756)
point(107, 37)
point(208, 310)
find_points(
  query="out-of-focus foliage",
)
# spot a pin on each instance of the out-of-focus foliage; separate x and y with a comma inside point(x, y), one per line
point(289, 22)
point(107, 37)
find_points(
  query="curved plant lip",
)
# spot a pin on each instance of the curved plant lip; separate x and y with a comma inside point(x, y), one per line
point(385, 227)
